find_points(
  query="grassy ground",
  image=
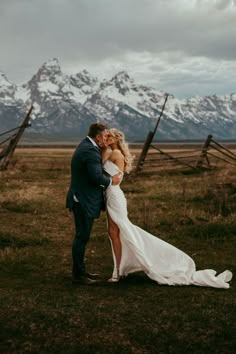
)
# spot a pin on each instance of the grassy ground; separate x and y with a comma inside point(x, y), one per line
point(41, 312)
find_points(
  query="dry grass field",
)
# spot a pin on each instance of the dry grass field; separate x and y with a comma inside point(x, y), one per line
point(42, 312)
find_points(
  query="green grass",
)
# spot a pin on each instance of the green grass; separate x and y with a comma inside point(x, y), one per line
point(42, 312)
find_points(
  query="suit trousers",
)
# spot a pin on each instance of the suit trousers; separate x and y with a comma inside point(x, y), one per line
point(83, 227)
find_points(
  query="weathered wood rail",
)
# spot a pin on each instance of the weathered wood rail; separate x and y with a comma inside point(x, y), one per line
point(8, 150)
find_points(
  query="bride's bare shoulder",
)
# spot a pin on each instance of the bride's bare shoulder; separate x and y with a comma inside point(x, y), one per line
point(116, 154)
point(118, 159)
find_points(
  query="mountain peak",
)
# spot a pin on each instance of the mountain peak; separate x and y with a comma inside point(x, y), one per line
point(50, 68)
point(121, 76)
point(7, 89)
point(51, 64)
point(83, 78)
point(4, 80)
point(122, 82)
point(50, 71)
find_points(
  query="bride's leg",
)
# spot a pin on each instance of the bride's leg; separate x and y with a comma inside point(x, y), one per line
point(114, 233)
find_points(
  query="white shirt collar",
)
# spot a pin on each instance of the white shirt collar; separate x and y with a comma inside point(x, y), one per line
point(93, 142)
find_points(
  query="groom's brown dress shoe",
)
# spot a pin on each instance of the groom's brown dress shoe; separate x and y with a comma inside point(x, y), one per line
point(84, 280)
point(91, 275)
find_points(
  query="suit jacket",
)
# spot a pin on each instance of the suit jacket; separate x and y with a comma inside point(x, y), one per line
point(88, 180)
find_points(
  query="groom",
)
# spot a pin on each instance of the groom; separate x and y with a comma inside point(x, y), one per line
point(85, 196)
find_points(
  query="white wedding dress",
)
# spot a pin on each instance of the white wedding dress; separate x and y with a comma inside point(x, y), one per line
point(142, 251)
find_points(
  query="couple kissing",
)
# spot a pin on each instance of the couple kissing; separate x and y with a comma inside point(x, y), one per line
point(97, 168)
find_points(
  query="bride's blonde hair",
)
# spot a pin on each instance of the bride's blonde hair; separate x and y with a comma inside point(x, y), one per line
point(123, 147)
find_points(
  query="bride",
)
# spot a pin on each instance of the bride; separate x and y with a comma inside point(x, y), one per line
point(133, 248)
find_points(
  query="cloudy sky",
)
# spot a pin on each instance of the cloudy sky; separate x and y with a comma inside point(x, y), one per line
point(184, 47)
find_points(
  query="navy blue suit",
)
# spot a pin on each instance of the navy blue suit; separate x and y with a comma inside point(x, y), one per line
point(88, 182)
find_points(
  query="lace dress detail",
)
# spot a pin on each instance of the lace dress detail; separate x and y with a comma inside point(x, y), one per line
point(142, 251)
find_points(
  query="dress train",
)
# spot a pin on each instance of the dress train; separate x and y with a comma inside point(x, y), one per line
point(142, 251)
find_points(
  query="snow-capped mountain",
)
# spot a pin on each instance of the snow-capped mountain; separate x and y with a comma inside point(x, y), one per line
point(67, 105)
point(7, 89)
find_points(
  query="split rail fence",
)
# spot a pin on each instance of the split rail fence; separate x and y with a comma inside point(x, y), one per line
point(152, 158)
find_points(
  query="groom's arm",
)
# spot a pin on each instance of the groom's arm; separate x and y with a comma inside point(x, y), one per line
point(94, 168)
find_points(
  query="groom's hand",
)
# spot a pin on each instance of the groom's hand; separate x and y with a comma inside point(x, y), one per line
point(116, 179)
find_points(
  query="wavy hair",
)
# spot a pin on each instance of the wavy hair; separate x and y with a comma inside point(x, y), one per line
point(123, 147)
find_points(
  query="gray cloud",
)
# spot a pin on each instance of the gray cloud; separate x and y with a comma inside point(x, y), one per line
point(104, 34)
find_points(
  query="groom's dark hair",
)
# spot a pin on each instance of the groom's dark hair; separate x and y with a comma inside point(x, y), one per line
point(96, 128)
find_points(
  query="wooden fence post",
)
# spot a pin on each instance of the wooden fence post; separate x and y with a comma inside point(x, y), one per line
point(149, 140)
point(144, 152)
point(7, 153)
point(203, 154)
